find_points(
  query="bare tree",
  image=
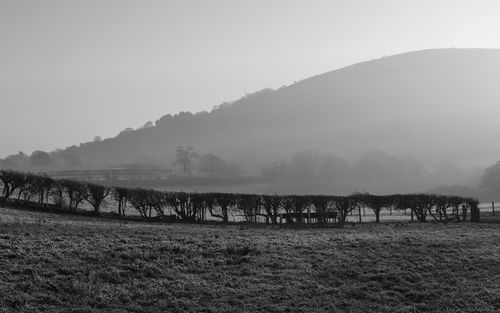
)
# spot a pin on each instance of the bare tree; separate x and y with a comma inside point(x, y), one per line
point(344, 205)
point(376, 203)
point(138, 200)
point(96, 195)
point(300, 203)
point(26, 190)
point(182, 204)
point(321, 204)
point(120, 195)
point(442, 204)
point(473, 204)
point(247, 206)
point(223, 202)
point(76, 192)
point(272, 205)
point(454, 203)
point(12, 181)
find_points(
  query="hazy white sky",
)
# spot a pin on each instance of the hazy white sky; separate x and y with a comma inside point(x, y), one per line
point(71, 70)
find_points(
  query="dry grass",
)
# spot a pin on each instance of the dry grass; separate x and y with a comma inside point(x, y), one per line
point(54, 264)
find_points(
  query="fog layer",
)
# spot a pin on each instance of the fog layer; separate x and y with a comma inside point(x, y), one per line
point(429, 105)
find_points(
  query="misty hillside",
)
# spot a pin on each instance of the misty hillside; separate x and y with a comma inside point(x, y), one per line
point(432, 105)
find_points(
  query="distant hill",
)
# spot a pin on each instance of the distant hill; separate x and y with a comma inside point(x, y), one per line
point(431, 104)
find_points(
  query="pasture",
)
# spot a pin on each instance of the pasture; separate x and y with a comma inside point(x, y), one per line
point(59, 263)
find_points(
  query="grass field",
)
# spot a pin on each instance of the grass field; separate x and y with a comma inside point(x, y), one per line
point(56, 263)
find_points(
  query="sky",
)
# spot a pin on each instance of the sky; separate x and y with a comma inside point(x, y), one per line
point(73, 70)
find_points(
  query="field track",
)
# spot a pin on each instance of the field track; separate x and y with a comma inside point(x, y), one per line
point(59, 263)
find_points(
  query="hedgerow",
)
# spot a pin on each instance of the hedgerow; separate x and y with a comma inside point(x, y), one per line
point(68, 195)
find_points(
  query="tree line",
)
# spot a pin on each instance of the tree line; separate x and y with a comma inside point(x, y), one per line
point(43, 191)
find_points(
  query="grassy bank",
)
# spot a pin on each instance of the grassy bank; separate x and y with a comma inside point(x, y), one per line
point(51, 263)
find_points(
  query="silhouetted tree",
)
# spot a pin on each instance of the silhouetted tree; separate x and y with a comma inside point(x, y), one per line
point(455, 202)
point(138, 198)
point(247, 206)
point(199, 204)
point(120, 195)
point(420, 205)
point(288, 204)
point(11, 181)
point(185, 158)
point(26, 190)
point(157, 201)
point(473, 204)
point(442, 204)
point(75, 191)
point(376, 203)
point(96, 195)
point(225, 202)
point(42, 186)
point(299, 204)
point(56, 192)
point(272, 205)
point(182, 204)
point(147, 201)
point(321, 204)
point(344, 205)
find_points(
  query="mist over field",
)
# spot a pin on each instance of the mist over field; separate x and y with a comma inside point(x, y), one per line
point(409, 122)
point(311, 99)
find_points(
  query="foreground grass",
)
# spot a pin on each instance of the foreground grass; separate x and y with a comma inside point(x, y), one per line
point(49, 264)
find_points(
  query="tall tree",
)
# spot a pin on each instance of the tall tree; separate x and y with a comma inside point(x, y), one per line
point(185, 157)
